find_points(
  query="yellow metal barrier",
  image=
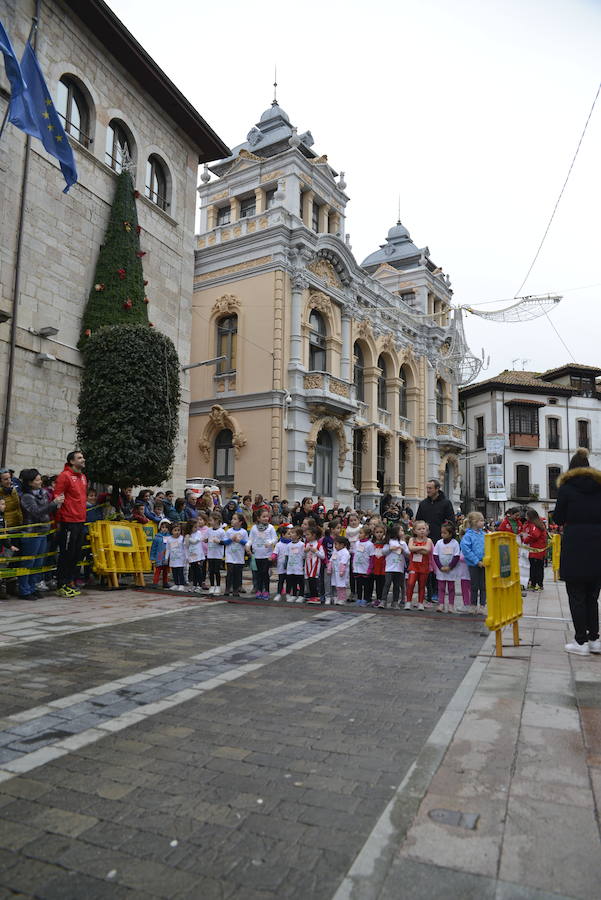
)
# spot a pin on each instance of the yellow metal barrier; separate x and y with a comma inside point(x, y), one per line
point(119, 548)
point(555, 555)
point(503, 591)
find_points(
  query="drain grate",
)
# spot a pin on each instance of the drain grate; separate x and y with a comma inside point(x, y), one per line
point(454, 817)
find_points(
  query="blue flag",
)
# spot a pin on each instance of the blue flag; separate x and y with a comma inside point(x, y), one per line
point(33, 112)
point(11, 64)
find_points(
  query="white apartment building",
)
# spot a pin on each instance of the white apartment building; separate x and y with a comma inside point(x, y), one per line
point(544, 417)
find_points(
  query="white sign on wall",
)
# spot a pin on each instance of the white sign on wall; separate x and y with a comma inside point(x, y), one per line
point(495, 475)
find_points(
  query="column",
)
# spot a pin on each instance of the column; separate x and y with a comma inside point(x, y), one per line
point(345, 362)
point(324, 212)
point(211, 217)
point(259, 200)
point(299, 283)
point(370, 467)
point(391, 484)
point(308, 197)
point(235, 210)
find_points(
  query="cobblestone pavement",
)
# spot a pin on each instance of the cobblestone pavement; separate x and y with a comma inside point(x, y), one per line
point(216, 751)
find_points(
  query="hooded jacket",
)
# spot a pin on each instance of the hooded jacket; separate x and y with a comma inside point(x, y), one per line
point(578, 509)
point(74, 485)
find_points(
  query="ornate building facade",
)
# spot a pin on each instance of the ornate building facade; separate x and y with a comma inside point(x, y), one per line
point(333, 379)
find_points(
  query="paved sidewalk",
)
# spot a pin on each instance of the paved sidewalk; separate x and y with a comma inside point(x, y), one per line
point(519, 747)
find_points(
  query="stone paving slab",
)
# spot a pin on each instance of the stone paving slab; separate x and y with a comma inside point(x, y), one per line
point(268, 784)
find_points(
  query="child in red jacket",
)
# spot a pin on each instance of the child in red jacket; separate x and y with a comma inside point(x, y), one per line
point(534, 535)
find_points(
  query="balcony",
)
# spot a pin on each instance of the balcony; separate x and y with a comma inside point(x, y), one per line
point(325, 390)
point(362, 411)
point(450, 435)
point(225, 384)
point(524, 492)
point(384, 418)
point(404, 427)
point(523, 441)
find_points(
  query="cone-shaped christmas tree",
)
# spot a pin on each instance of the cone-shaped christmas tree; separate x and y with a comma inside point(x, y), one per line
point(118, 293)
point(130, 393)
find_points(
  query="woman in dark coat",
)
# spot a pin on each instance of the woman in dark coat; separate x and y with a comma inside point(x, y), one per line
point(578, 509)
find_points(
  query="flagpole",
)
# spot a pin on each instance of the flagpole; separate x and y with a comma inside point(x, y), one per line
point(33, 36)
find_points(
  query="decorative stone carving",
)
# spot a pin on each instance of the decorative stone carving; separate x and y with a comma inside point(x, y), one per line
point(388, 446)
point(313, 382)
point(246, 154)
point(457, 433)
point(329, 423)
point(364, 441)
point(320, 302)
point(320, 160)
point(220, 196)
point(325, 271)
point(219, 418)
point(254, 136)
point(227, 304)
point(228, 270)
point(364, 330)
point(388, 343)
point(442, 429)
point(299, 280)
point(272, 176)
point(340, 388)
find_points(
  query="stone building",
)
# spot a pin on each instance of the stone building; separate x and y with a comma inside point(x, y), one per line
point(113, 98)
point(335, 378)
point(544, 417)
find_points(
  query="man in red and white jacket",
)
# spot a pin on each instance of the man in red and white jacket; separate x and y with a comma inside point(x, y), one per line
point(71, 521)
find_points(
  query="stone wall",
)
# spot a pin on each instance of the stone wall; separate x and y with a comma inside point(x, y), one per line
point(62, 235)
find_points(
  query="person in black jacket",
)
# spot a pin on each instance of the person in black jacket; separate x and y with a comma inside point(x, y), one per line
point(435, 509)
point(37, 511)
point(578, 509)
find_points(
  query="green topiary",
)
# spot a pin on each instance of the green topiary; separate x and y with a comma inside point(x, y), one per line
point(118, 294)
point(129, 405)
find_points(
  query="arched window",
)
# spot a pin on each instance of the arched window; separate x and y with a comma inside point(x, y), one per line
point(224, 457)
point(322, 467)
point(439, 400)
point(156, 182)
point(118, 146)
point(227, 333)
point(382, 400)
point(317, 342)
point(72, 107)
point(403, 393)
point(358, 373)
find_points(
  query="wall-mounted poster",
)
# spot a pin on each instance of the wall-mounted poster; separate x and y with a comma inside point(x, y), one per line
point(495, 476)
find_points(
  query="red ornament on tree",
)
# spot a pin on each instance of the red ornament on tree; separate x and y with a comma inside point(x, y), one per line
point(99, 286)
point(121, 273)
point(138, 229)
point(146, 300)
point(127, 304)
point(136, 194)
point(141, 253)
point(88, 332)
point(151, 324)
point(145, 283)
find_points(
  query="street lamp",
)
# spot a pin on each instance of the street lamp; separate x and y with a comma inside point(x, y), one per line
point(205, 362)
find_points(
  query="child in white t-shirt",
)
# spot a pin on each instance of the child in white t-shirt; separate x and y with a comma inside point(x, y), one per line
point(236, 539)
point(396, 552)
point(215, 540)
point(340, 564)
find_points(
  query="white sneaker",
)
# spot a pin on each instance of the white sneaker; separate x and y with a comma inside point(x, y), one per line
point(277, 598)
point(198, 590)
point(329, 602)
point(407, 606)
point(41, 586)
point(300, 599)
point(578, 649)
point(290, 598)
point(340, 602)
point(594, 646)
point(174, 587)
point(217, 590)
point(183, 587)
point(440, 608)
point(420, 606)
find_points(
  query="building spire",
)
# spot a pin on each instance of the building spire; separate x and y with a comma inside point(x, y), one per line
point(275, 86)
point(398, 221)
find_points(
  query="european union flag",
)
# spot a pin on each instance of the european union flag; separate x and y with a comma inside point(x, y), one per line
point(33, 112)
point(11, 64)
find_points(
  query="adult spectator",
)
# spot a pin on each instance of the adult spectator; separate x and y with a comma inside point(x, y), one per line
point(511, 521)
point(578, 509)
point(435, 509)
point(13, 514)
point(73, 485)
point(247, 510)
point(305, 511)
point(126, 502)
point(190, 509)
point(37, 510)
point(169, 507)
point(260, 503)
point(228, 511)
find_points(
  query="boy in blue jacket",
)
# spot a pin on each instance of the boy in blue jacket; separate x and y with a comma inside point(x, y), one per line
point(158, 552)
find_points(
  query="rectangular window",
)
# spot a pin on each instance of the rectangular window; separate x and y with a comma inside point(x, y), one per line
point(315, 216)
point(553, 434)
point(248, 207)
point(522, 479)
point(583, 383)
point(523, 419)
point(479, 422)
point(553, 474)
point(402, 465)
point(584, 436)
point(381, 462)
point(301, 205)
point(479, 481)
point(269, 201)
point(224, 215)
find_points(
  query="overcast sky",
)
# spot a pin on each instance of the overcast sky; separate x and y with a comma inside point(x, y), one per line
point(468, 110)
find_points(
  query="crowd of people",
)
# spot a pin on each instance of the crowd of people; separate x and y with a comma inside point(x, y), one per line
point(298, 552)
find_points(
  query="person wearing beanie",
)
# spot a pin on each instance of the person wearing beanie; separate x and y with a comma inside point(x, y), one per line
point(578, 510)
